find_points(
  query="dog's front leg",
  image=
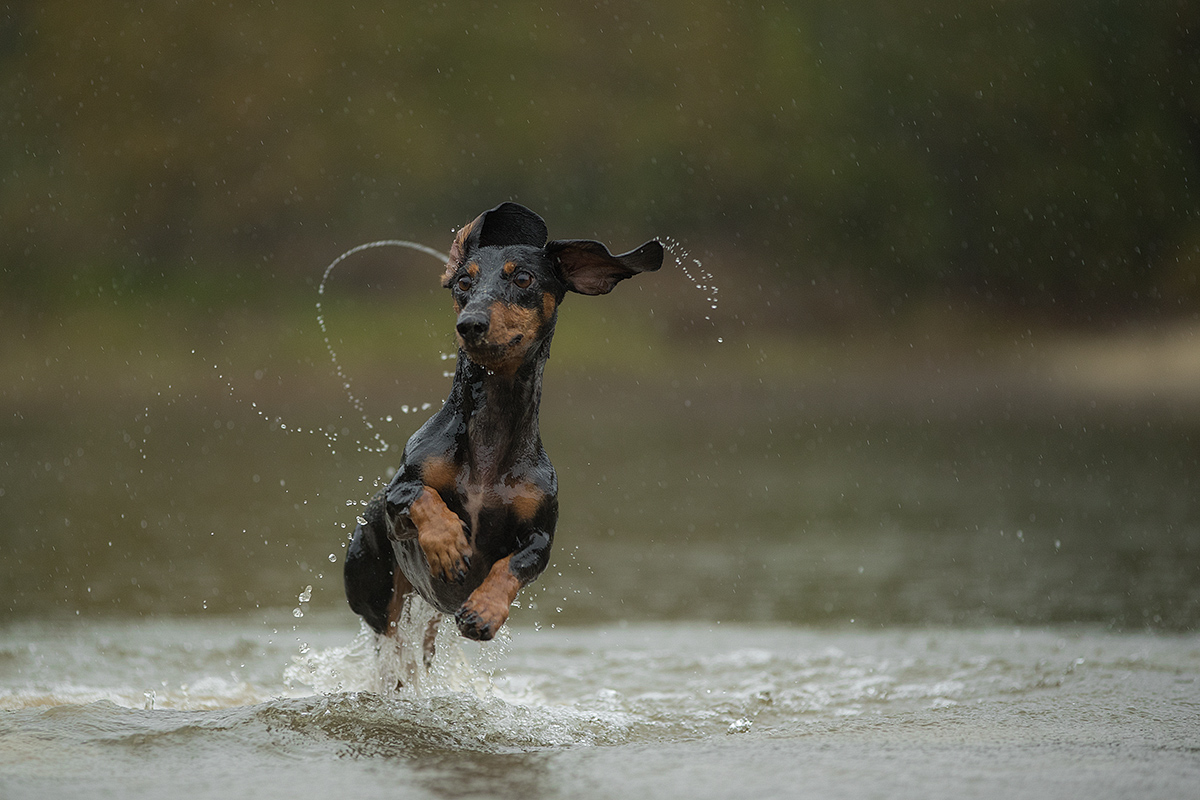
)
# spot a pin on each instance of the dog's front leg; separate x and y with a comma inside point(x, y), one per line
point(487, 608)
point(442, 536)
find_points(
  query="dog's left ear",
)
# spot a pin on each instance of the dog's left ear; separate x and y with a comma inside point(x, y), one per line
point(510, 223)
point(506, 224)
point(587, 267)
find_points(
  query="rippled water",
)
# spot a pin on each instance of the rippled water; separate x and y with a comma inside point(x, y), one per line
point(221, 707)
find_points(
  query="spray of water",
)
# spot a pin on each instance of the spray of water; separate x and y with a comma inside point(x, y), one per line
point(395, 665)
point(695, 272)
point(379, 445)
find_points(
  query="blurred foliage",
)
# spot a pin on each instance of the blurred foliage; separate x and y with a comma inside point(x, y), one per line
point(1030, 154)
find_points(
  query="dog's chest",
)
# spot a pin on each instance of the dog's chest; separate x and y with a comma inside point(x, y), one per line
point(500, 501)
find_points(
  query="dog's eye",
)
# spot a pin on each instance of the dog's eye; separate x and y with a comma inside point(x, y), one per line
point(464, 284)
point(523, 280)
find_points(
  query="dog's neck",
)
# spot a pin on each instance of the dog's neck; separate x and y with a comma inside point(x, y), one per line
point(500, 411)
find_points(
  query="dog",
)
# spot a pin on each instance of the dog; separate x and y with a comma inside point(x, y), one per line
point(469, 517)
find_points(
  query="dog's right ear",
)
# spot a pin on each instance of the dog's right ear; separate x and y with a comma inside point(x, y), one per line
point(506, 224)
point(465, 241)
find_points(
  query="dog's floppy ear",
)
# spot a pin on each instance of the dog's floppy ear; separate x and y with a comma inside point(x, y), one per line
point(506, 224)
point(587, 267)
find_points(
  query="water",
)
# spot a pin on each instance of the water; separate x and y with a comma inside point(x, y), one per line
point(203, 707)
point(774, 576)
point(883, 609)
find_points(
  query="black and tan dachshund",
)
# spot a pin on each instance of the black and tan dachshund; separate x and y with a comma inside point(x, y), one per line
point(469, 517)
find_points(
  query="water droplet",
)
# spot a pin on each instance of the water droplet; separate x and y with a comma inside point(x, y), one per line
point(297, 612)
point(332, 557)
point(739, 726)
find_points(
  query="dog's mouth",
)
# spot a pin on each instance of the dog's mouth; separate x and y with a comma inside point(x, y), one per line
point(483, 345)
point(496, 356)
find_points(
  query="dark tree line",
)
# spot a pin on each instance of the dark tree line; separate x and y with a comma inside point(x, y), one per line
point(1045, 154)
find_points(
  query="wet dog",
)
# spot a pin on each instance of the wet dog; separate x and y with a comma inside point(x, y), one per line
point(469, 517)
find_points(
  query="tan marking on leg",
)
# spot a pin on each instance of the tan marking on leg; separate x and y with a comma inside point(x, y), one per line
point(441, 535)
point(487, 607)
point(525, 500)
point(439, 474)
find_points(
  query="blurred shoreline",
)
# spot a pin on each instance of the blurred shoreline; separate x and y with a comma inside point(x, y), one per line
point(96, 354)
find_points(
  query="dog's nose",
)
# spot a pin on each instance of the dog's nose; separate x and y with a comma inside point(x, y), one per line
point(472, 327)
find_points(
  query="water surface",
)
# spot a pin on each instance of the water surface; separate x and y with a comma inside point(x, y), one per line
point(764, 583)
point(212, 707)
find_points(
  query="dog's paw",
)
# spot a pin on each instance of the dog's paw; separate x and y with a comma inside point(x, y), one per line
point(480, 617)
point(444, 542)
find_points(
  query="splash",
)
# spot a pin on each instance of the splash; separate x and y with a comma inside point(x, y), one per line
point(395, 666)
point(380, 445)
point(693, 269)
point(374, 440)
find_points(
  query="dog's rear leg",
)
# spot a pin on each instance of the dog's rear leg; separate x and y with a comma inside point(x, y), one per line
point(401, 589)
point(431, 629)
point(370, 568)
point(402, 596)
point(406, 622)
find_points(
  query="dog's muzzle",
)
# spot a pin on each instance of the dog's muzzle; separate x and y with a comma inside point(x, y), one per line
point(473, 326)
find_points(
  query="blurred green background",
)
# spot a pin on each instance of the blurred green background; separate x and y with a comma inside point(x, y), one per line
point(953, 365)
point(1027, 154)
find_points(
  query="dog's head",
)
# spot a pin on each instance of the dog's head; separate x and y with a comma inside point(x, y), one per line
point(507, 282)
